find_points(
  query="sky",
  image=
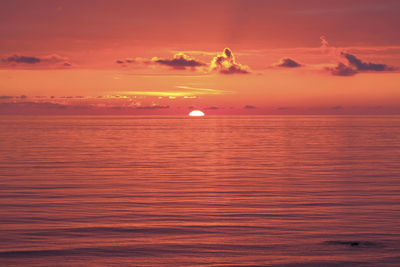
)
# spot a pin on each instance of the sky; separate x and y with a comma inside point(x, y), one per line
point(223, 57)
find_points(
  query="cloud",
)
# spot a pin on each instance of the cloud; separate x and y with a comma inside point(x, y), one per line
point(197, 52)
point(202, 91)
point(342, 70)
point(180, 61)
point(187, 92)
point(249, 107)
point(337, 107)
point(225, 63)
point(50, 60)
point(153, 107)
point(127, 61)
point(34, 104)
point(355, 65)
point(324, 42)
point(366, 66)
point(288, 63)
point(212, 108)
point(22, 59)
point(54, 59)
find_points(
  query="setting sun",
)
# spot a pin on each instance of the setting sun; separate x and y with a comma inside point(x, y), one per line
point(196, 113)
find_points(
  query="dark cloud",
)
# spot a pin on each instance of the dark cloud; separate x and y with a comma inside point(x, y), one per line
point(127, 60)
point(50, 60)
point(22, 59)
point(117, 107)
point(234, 69)
point(225, 63)
point(5, 97)
point(356, 65)
point(212, 108)
point(288, 63)
point(249, 107)
point(42, 108)
point(179, 61)
point(153, 107)
point(47, 105)
point(366, 66)
point(343, 70)
point(337, 107)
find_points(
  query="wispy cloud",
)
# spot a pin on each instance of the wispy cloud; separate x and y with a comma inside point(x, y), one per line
point(324, 42)
point(204, 90)
point(197, 52)
point(183, 91)
point(155, 93)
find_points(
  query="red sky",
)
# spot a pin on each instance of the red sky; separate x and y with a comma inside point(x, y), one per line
point(168, 57)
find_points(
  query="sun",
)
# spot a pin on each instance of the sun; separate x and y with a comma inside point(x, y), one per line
point(196, 113)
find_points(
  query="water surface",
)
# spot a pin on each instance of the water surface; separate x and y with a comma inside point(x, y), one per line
point(181, 191)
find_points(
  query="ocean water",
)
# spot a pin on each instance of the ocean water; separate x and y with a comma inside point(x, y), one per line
point(211, 191)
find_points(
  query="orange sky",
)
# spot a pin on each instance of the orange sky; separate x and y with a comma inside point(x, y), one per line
point(225, 57)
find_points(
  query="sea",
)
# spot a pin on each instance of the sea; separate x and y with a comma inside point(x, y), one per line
point(205, 191)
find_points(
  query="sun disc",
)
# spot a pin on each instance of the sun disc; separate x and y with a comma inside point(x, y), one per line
point(196, 113)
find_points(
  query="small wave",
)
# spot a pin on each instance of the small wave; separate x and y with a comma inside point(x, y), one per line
point(136, 251)
point(353, 243)
point(91, 251)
